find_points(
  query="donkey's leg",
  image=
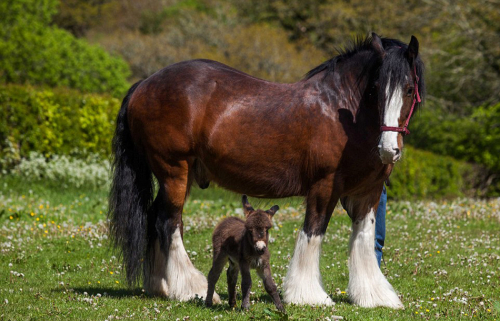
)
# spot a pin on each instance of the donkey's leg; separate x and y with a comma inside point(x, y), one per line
point(218, 264)
point(303, 284)
point(171, 262)
point(367, 287)
point(265, 274)
point(246, 284)
point(232, 279)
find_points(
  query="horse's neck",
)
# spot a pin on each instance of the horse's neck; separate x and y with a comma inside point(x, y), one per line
point(348, 89)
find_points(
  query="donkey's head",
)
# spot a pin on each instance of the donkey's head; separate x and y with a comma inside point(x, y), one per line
point(257, 225)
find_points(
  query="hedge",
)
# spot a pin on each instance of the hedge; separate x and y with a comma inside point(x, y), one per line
point(54, 121)
point(422, 174)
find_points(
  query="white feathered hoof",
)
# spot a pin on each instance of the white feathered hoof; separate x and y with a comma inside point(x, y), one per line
point(302, 284)
point(368, 287)
point(184, 281)
point(374, 294)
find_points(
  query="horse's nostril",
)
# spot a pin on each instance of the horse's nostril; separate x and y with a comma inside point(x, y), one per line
point(397, 151)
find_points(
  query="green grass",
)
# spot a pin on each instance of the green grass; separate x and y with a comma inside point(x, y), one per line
point(442, 257)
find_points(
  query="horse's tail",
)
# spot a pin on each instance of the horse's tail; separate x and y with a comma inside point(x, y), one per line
point(130, 196)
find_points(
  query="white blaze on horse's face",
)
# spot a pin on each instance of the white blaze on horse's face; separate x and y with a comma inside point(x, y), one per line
point(388, 146)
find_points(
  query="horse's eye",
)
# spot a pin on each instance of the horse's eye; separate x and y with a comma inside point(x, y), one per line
point(409, 92)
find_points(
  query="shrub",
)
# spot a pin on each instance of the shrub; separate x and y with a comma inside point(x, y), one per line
point(57, 121)
point(32, 51)
point(90, 171)
point(422, 174)
point(474, 138)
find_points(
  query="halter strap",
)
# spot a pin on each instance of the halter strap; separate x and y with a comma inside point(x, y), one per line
point(416, 98)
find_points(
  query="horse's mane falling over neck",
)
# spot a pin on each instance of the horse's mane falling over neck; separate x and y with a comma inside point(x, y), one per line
point(367, 66)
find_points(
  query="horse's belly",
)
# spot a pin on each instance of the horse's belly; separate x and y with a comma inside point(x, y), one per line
point(258, 179)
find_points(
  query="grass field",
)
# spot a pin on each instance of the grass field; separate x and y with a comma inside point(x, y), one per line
point(442, 257)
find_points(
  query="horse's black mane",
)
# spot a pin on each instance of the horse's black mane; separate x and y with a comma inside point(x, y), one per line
point(394, 69)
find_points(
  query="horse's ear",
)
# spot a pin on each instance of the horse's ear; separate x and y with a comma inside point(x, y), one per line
point(272, 210)
point(247, 208)
point(377, 45)
point(412, 49)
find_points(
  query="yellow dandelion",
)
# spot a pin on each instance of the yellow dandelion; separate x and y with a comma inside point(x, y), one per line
point(432, 299)
point(110, 272)
point(90, 282)
point(32, 214)
point(438, 252)
point(99, 282)
point(426, 310)
point(117, 282)
point(58, 226)
point(11, 217)
point(37, 219)
point(52, 222)
point(46, 232)
point(416, 312)
point(430, 254)
point(40, 207)
point(44, 225)
point(32, 229)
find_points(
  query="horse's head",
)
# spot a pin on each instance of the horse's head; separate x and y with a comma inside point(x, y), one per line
point(400, 86)
point(257, 225)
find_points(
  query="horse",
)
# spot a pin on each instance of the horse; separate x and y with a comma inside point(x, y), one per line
point(333, 135)
point(245, 245)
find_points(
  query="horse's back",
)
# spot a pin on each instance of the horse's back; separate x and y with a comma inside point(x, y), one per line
point(182, 100)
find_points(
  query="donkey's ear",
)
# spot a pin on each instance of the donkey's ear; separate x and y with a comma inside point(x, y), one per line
point(412, 49)
point(272, 210)
point(247, 208)
point(377, 45)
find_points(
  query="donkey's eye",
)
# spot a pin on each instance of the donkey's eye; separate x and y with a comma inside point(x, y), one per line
point(409, 92)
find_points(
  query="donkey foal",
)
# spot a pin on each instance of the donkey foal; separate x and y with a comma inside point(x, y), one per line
point(244, 243)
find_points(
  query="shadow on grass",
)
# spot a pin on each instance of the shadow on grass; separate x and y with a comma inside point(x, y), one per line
point(110, 292)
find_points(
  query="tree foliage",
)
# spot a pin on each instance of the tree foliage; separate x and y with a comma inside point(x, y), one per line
point(34, 52)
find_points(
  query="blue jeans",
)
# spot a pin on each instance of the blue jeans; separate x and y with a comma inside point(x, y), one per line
point(380, 226)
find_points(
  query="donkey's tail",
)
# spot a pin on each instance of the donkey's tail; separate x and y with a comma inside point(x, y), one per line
point(130, 196)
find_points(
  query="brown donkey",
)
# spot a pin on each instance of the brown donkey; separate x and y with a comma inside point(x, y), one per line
point(245, 244)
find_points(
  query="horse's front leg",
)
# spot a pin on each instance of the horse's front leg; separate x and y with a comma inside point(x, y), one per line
point(303, 284)
point(367, 287)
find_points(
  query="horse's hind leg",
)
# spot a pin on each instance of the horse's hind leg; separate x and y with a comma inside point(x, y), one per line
point(303, 283)
point(367, 287)
point(170, 271)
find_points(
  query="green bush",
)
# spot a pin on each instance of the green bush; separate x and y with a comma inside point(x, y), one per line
point(422, 174)
point(473, 138)
point(54, 121)
point(33, 52)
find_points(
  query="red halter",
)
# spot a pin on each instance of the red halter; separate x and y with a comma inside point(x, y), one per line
point(416, 98)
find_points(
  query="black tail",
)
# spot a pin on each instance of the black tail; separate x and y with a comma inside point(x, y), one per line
point(130, 196)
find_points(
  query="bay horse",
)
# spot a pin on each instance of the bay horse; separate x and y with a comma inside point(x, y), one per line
point(334, 135)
